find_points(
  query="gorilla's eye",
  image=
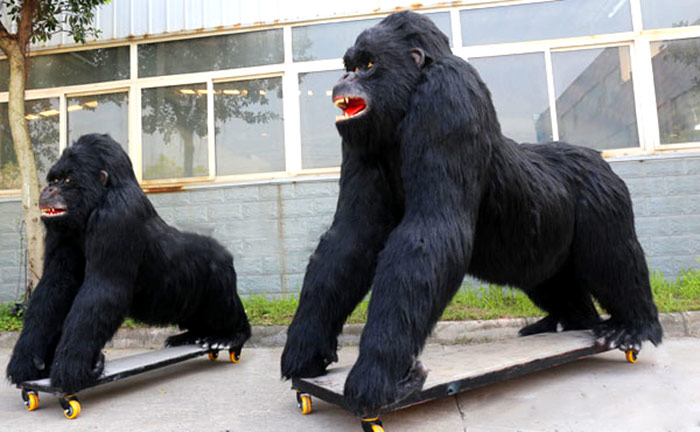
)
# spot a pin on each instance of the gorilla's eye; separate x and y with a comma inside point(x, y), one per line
point(366, 67)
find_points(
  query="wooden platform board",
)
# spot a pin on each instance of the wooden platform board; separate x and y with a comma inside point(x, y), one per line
point(128, 366)
point(468, 367)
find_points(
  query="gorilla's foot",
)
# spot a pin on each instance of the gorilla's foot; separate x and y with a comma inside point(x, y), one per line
point(306, 360)
point(413, 381)
point(21, 369)
point(628, 335)
point(547, 324)
point(186, 338)
point(370, 389)
point(72, 374)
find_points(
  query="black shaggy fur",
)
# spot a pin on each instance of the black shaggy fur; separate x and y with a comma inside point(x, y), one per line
point(430, 190)
point(108, 256)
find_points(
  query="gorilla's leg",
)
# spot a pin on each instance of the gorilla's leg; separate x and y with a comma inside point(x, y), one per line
point(567, 304)
point(96, 314)
point(340, 270)
point(48, 307)
point(609, 259)
point(417, 274)
point(220, 321)
point(619, 279)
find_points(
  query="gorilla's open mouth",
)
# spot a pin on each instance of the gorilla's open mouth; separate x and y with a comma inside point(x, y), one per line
point(52, 211)
point(352, 106)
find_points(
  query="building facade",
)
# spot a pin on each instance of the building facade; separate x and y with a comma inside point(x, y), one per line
point(224, 108)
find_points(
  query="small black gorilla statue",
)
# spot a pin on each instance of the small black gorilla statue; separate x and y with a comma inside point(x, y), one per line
point(109, 255)
point(430, 190)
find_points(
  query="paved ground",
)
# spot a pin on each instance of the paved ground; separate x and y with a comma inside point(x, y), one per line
point(603, 393)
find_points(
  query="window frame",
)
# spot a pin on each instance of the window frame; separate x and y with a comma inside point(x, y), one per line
point(638, 40)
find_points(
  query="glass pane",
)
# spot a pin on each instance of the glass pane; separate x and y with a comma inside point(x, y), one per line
point(211, 53)
point(442, 21)
point(174, 132)
point(4, 75)
point(105, 113)
point(42, 118)
point(43, 122)
point(673, 13)
point(249, 126)
point(518, 85)
point(595, 100)
point(79, 67)
point(326, 41)
point(677, 83)
point(320, 143)
point(9, 171)
point(548, 20)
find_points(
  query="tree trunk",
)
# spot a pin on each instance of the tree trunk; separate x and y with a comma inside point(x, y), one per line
point(25, 160)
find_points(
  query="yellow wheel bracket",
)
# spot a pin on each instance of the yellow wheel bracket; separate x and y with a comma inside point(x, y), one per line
point(631, 356)
point(73, 409)
point(32, 401)
point(305, 404)
point(372, 425)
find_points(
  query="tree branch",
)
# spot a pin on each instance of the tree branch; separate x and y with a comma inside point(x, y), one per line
point(6, 39)
point(26, 23)
point(3, 32)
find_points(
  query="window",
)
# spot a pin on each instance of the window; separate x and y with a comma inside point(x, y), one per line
point(103, 113)
point(174, 132)
point(546, 20)
point(74, 68)
point(4, 75)
point(326, 41)
point(594, 97)
point(320, 143)
point(211, 53)
point(677, 84)
point(666, 14)
point(80, 67)
point(42, 118)
point(9, 170)
point(211, 107)
point(249, 127)
point(518, 85)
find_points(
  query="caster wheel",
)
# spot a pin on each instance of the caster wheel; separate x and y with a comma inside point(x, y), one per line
point(31, 400)
point(234, 356)
point(631, 356)
point(213, 355)
point(72, 408)
point(304, 401)
point(372, 425)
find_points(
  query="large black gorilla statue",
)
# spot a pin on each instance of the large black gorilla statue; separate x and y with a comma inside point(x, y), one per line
point(430, 190)
point(109, 255)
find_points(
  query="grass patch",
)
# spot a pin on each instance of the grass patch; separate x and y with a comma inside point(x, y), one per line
point(8, 320)
point(488, 302)
point(677, 295)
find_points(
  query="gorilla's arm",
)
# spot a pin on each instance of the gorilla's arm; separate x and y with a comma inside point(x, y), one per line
point(427, 255)
point(50, 302)
point(113, 248)
point(340, 270)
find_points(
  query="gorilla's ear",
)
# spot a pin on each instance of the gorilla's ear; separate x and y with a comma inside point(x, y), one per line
point(420, 58)
point(104, 177)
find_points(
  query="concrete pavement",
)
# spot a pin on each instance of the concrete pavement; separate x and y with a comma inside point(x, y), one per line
point(602, 393)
